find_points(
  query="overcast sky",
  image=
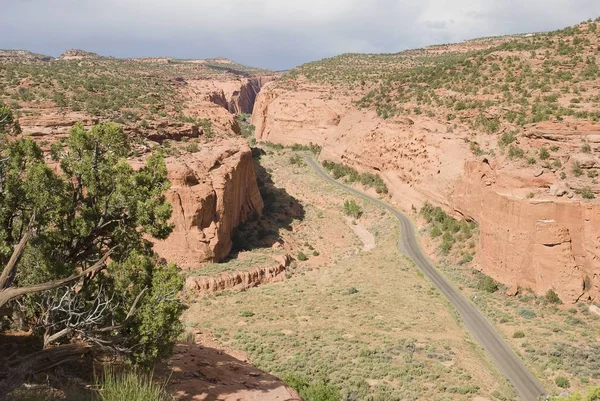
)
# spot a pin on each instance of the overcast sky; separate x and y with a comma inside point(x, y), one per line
point(276, 34)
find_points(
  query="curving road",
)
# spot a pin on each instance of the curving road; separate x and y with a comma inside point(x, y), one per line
point(507, 361)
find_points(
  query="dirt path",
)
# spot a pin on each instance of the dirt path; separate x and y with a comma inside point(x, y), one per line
point(361, 232)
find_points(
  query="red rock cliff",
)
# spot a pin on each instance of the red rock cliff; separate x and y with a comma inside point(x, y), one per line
point(212, 192)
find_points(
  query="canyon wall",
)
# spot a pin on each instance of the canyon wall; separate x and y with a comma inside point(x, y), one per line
point(539, 244)
point(212, 192)
point(550, 242)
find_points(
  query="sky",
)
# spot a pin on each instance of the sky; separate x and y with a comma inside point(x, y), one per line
point(275, 34)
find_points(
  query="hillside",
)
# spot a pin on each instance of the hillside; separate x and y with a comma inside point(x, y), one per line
point(184, 108)
point(502, 131)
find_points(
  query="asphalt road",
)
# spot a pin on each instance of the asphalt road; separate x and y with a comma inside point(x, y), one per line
point(480, 328)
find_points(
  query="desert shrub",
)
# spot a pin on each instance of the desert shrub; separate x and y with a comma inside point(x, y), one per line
point(592, 173)
point(316, 390)
point(586, 148)
point(133, 385)
point(475, 148)
point(515, 152)
point(246, 313)
point(577, 170)
point(435, 232)
point(352, 209)
point(274, 146)
point(297, 160)
point(544, 154)
point(488, 284)
point(302, 256)
point(552, 297)
point(587, 193)
point(192, 147)
point(369, 180)
point(507, 138)
point(562, 382)
point(527, 313)
point(518, 334)
point(311, 147)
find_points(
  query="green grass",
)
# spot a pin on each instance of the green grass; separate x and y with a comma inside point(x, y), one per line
point(132, 385)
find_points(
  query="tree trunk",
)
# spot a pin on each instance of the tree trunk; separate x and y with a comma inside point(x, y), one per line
point(13, 374)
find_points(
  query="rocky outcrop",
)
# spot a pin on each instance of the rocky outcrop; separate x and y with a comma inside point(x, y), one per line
point(238, 96)
point(243, 279)
point(212, 192)
point(78, 54)
point(22, 56)
point(550, 241)
point(537, 244)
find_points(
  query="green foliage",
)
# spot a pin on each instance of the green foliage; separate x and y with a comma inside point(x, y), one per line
point(8, 123)
point(487, 284)
point(577, 171)
point(311, 147)
point(246, 128)
point(592, 394)
point(132, 385)
point(562, 382)
point(475, 149)
point(507, 138)
point(448, 228)
point(544, 154)
point(552, 297)
point(316, 390)
point(352, 209)
point(587, 193)
point(527, 313)
point(297, 160)
point(97, 203)
point(302, 256)
point(515, 152)
point(192, 147)
point(367, 179)
point(518, 334)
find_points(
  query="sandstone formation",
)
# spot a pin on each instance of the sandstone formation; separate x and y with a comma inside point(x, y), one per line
point(213, 189)
point(550, 241)
point(212, 192)
point(243, 279)
point(77, 54)
point(236, 96)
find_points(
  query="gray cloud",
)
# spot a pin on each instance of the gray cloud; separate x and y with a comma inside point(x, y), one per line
point(277, 34)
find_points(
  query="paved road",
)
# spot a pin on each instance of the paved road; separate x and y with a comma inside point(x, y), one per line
point(479, 327)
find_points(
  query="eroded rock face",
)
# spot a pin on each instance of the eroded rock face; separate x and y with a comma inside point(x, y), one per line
point(243, 279)
point(551, 241)
point(212, 192)
point(235, 96)
point(540, 245)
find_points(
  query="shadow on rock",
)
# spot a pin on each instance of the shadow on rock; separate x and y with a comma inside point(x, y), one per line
point(196, 372)
point(280, 210)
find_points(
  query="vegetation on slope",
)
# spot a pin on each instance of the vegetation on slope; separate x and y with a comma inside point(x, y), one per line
point(77, 269)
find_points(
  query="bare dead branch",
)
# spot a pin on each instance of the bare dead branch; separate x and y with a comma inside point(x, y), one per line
point(10, 293)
